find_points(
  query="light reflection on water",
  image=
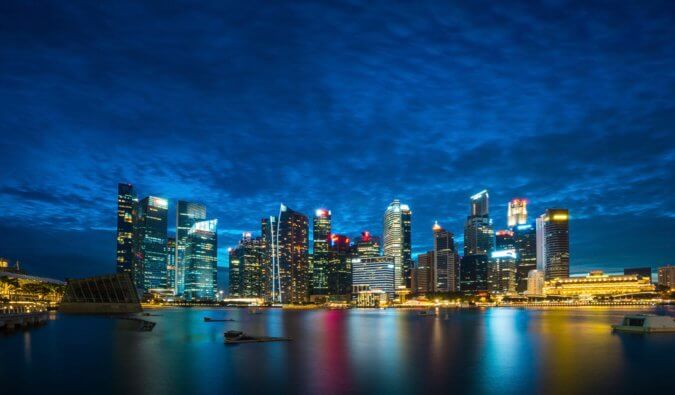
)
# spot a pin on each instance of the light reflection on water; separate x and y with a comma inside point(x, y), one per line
point(503, 350)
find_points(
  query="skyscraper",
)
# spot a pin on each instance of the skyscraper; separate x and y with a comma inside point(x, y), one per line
point(171, 264)
point(152, 234)
point(517, 212)
point(474, 273)
point(376, 273)
point(127, 206)
point(556, 243)
point(478, 231)
point(445, 266)
point(291, 275)
point(423, 275)
point(201, 260)
point(339, 271)
point(321, 251)
point(248, 279)
point(666, 277)
point(502, 271)
point(187, 213)
point(367, 245)
point(541, 246)
point(525, 239)
point(397, 242)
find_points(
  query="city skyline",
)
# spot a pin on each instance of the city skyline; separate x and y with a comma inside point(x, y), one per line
point(348, 111)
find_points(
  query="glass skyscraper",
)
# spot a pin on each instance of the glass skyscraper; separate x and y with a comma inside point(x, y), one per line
point(478, 231)
point(517, 212)
point(556, 243)
point(171, 264)
point(127, 206)
point(397, 241)
point(201, 258)
point(446, 268)
point(152, 236)
point(187, 213)
point(474, 273)
point(247, 270)
point(367, 245)
point(339, 269)
point(525, 239)
point(290, 257)
point(321, 251)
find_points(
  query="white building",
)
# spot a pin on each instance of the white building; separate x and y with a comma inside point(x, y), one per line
point(535, 283)
point(375, 273)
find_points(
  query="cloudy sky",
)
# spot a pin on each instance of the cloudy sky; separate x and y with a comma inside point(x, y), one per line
point(242, 105)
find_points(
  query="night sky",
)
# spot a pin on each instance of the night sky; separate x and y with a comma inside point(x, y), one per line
point(242, 105)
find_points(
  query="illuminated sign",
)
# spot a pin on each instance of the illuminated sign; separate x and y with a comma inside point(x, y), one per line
point(510, 253)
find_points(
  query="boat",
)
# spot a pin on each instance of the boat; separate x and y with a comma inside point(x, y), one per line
point(254, 310)
point(646, 323)
point(428, 313)
point(237, 337)
point(209, 319)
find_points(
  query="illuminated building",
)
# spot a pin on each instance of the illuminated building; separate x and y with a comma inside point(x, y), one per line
point(535, 283)
point(187, 213)
point(474, 273)
point(201, 261)
point(397, 244)
point(422, 276)
point(339, 271)
point(171, 264)
point(247, 270)
point(517, 212)
point(152, 236)
point(367, 245)
point(666, 277)
point(127, 206)
point(645, 272)
point(291, 275)
point(502, 271)
point(445, 268)
point(478, 232)
point(525, 241)
point(541, 246)
point(376, 273)
point(556, 243)
point(4, 263)
point(321, 251)
point(504, 240)
point(598, 284)
point(368, 298)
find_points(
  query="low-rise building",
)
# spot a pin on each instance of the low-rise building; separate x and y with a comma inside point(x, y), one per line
point(597, 283)
point(535, 283)
point(667, 277)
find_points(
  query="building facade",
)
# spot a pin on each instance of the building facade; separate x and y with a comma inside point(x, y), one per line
point(127, 207)
point(478, 231)
point(376, 273)
point(525, 241)
point(598, 284)
point(339, 270)
point(397, 240)
point(187, 213)
point(445, 266)
point(171, 264)
point(422, 276)
point(201, 257)
point(367, 245)
point(517, 212)
point(474, 273)
point(292, 275)
point(321, 254)
point(556, 243)
point(248, 277)
point(666, 277)
point(152, 234)
point(502, 272)
point(535, 283)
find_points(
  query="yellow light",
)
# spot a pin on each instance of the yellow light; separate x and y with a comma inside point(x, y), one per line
point(559, 217)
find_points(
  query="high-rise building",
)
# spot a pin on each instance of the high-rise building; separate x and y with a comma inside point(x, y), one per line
point(525, 241)
point(291, 275)
point(474, 273)
point(504, 240)
point(339, 268)
point(478, 231)
point(445, 266)
point(502, 271)
point(152, 236)
point(397, 242)
point(127, 206)
point(422, 277)
point(541, 245)
point(376, 273)
point(517, 212)
point(666, 277)
point(556, 243)
point(187, 213)
point(367, 245)
point(171, 264)
point(321, 253)
point(248, 279)
point(201, 261)
point(535, 283)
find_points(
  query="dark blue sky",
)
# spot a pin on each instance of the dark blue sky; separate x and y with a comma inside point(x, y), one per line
point(346, 106)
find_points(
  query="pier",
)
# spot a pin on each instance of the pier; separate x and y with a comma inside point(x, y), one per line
point(22, 316)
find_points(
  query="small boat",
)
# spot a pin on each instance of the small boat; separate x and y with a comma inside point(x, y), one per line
point(209, 319)
point(236, 337)
point(646, 323)
point(254, 310)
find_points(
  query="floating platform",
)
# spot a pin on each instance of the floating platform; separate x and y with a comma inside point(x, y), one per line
point(238, 337)
point(209, 319)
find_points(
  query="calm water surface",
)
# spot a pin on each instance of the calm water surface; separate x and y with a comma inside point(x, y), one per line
point(498, 350)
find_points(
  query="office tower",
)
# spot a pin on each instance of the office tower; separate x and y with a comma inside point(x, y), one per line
point(474, 273)
point(247, 261)
point(525, 239)
point(666, 277)
point(517, 212)
point(423, 275)
point(502, 271)
point(152, 236)
point(339, 269)
point(375, 273)
point(535, 283)
point(445, 266)
point(641, 272)
point(187, 213)
point(541, 246)
point(556, 243)
point(367, 245)
point(291, 271)
point(201, 261)
point(171, 264)
point(127, 206)
point(321, 251)
point(478, 232)
point(397, 244)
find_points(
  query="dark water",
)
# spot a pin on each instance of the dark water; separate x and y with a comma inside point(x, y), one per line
point(499, 350)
